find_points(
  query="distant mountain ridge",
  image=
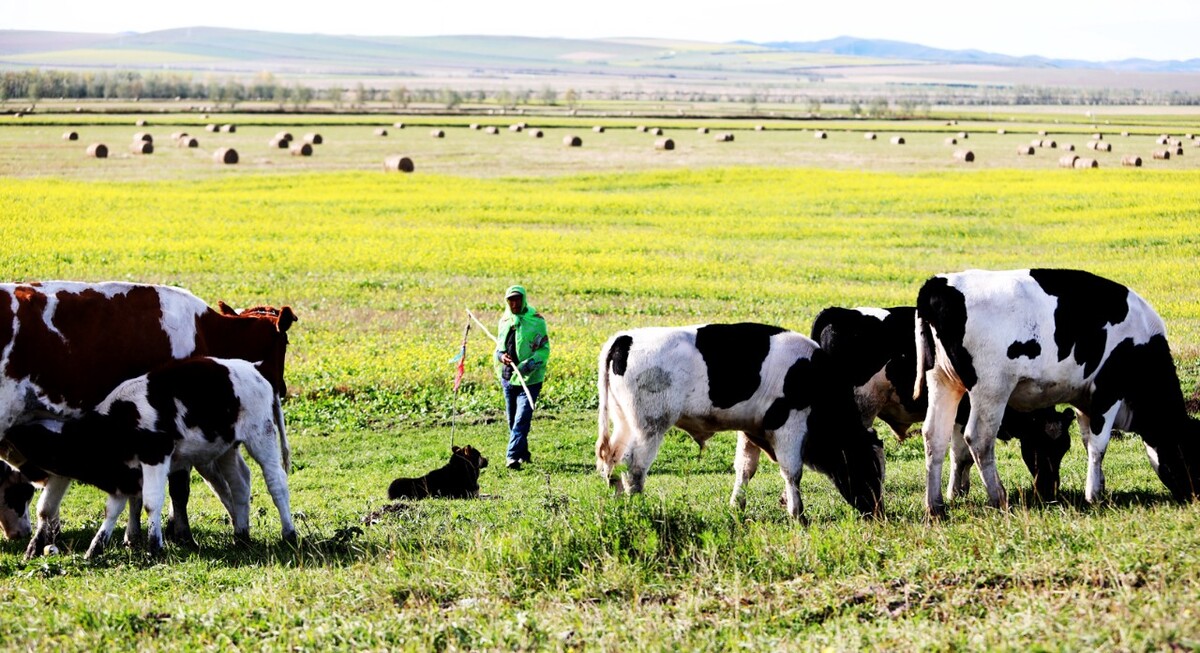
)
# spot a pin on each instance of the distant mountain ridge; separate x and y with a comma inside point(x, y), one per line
point(886, 49)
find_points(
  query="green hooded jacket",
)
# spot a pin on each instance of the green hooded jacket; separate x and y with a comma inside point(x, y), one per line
point(531, 339)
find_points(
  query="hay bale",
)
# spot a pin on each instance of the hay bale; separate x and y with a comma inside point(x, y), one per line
point(1067, 147)
point(656, 131)
point(1103, 146)
point(98, 151)
point(398, 163)
point(641, 128)
point(1049, 143)
point(141, 147)
point(1125, 134)
point(1082, 163)
point(1131, 160)
point(178, 135)
point(1067, 161)
point(664, 144)
point(1174, 142)
point(285, 136)
point(704, 130)
point(437, 133)
point(1162, 140)
point(143, 136)
point(491, 130)
point(1025, 150)
point(1001, 131)
point(1179, 151)
point(313, 139)
point(212, 127)
point(141, 122)
point(229, 129)
point(475, 126)
point(964, 135)
point(870, 136)
point(760, 128)
point(724, 137)
point(70, 136)
point(187, 141)
point(398, 125)
point(301, 149)
point(1043, 132)
point(952, 141)
point(572, 141)
point(1161, 155)
point(521, 126)
point(226, 155)
point(279, 143)
point(820, 135)
point(897, 140)
point(380, 131)
point(599, 129)
point(1097, 136)
point(515, 128)
point(535, 133)
point(966, 156)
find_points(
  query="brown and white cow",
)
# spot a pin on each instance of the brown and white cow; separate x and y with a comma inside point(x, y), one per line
point(194, 412)
point(65, 345)
point(15, 493)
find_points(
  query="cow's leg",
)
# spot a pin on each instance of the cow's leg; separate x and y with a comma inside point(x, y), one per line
point(960, 466)
point(980, 436)
point(230, 467)
point(178, 527)
point(264, 449)
point(937, 431)
point(112, 511)
point(48, 504)
point(788, 445)
point(1096, 444)
point(133, 526)
point(642, 453)
point(154, 494)
point(745, 464)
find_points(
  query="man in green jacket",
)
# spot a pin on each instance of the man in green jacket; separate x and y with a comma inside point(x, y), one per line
point(521, 341)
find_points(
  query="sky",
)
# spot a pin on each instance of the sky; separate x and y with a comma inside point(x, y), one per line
point(1097, 30)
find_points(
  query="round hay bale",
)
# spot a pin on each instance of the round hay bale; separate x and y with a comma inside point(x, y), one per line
point(897, 140)
point(1174, 142)
point(522, 126)
point(1067, 147)
point(380, 131)
point(475, 126)
point(98, 151)
point(1131, 160)
point(515, 128)
point(1162, 140)
point(141, 122)
point(187, 141)
point(657, 131)
point(212, 128)
point(964, 135)
point(535, 133)
point(760, 128)
point(1043, 132)
point(966, 156)
point(70, 136)
point(143, 136)
point(820, 135)
point(178, 135)
point(1161, 155)
point(313, 139)
point(398, 163)
point(491, 130)
point(1082, 163)
point(284, 136)
point(664, 144)
point(1067, 161)
point(1125, 134)
point(704, 130)
point(869, 136)
point(279, 143)
point(1103, 146)
point(952, 141)
point(398, 125)
point(301, 149)
point(18, 115)
point(437, 133)
point(599, 129)
point(724, 137)
point(229, 129)
point(572, 141)
point(1050, 143)
point(1025, 150)
point(641, 128)
point(1037, 142)
point(1179, 151)
point(226, 155)
point(1001, 131)
point(1097, 136)
point(141, 147)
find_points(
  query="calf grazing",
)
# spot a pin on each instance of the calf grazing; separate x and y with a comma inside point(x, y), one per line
point(186, 413)
point(457, 479)
point(15, 493)
point(774, 386)
point(1035, 338)
point(873, 349)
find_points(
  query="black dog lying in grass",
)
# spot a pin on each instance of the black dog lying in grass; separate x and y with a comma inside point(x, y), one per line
point(458, 479)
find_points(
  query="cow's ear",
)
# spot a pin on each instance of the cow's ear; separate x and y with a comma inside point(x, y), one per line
point(286, 319)
point(454, 449)
point(226, 309)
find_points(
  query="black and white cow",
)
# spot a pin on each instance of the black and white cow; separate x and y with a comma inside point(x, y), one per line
point(1035, 338)
point(772, 385)
point(189, 413)
point(873, 349)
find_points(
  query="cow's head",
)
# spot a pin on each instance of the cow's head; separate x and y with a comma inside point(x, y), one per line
point(15, 494)
point(853, 459)
point(1045, 438)
point(1178, 462)
point(257, 334)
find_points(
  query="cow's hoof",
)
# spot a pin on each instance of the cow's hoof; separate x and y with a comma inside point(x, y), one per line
point(936, 513)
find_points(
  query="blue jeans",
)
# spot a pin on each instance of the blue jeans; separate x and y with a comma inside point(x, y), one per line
point(520, 413)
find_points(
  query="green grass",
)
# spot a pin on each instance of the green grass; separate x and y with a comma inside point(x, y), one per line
point(380, 267)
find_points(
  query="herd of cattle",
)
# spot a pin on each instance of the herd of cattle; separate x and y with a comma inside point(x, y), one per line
point(129, 387)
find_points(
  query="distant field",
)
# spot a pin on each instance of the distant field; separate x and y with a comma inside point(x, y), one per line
point(380, 267)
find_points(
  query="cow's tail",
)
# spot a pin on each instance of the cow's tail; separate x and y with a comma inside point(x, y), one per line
point(285, 450)
point(925, 349)
point(604, 431)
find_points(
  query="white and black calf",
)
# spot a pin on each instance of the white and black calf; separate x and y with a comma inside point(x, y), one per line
point(15, 493)
point(873, 349)
point(1036, 338)
point(189, 413)
point(772, 385)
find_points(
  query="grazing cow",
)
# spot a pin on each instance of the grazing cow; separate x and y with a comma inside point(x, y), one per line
point(772, 385)
point(15, 493)
point(457, 479)
point(65, 345)
point(873, 349)
point(1035, 338)
point(193, 412)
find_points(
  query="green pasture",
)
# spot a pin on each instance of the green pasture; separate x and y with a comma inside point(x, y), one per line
point(380, 267)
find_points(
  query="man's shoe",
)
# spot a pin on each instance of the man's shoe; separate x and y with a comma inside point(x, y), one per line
point(514, 464)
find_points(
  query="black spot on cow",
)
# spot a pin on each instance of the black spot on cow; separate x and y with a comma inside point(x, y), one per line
point(204, 389)
point(945, 308)
point(1030, 349)
point(861, 345)
point(1087, 304)
point(652, 380)
point(734, 355)
point(618, 354)
point(799, 389)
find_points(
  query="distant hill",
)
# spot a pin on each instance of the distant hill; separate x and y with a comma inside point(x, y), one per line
point(885, 49)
